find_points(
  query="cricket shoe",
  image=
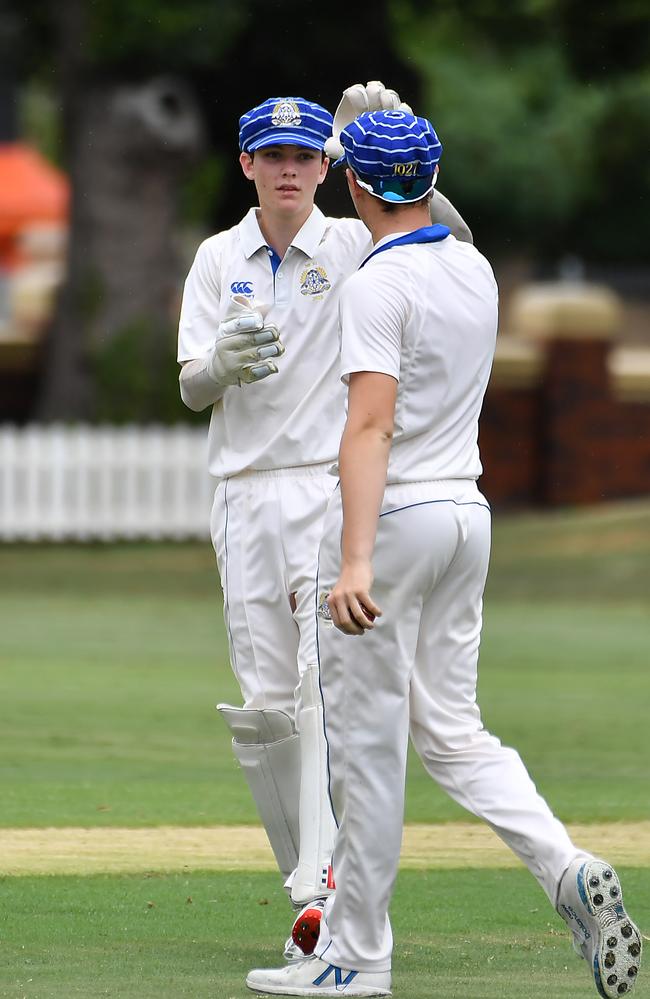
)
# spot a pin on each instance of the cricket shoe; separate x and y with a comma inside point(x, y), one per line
point(313, 977)
point(591, 903)
point(292, 952)
point(306, 928)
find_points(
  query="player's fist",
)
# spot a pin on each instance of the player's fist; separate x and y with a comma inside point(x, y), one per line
point(356, 100)
point(352, 610)
point(245, 346)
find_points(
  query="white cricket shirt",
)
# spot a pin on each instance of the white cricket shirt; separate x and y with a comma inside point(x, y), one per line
point(296, 416)
point(427, 315)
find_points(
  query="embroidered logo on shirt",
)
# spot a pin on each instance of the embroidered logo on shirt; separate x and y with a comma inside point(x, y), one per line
point(314, 282)
point(242, 288)
point(286, 113)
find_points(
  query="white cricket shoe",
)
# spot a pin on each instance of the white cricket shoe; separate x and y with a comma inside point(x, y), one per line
point(313, 977)
point(306, 927)
point(591, 902)
point(292, 952)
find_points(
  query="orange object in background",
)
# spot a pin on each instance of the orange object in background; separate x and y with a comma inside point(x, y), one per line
point(32, 191)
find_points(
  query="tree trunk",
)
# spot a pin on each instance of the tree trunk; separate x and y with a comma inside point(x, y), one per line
point(128, 147)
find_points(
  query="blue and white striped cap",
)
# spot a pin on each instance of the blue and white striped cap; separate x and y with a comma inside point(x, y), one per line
point(393, 154)
point(290, 121)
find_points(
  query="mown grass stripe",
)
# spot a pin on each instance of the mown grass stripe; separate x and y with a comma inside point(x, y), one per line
point(231, 848)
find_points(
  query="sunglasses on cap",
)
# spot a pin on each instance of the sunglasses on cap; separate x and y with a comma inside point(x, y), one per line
point(397, 189)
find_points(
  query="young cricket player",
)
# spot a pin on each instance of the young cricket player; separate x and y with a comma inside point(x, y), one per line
point(403, 563)
point(261, 300)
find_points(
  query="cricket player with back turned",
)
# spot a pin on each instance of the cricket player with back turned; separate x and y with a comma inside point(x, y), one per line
point(403, 563)
point(258, 342)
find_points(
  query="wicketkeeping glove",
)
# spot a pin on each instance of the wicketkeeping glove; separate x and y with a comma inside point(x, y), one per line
point(244, 347)
point(356, 100)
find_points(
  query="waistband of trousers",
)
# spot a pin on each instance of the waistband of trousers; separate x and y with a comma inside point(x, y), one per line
point(463, 490)
point(290, 472)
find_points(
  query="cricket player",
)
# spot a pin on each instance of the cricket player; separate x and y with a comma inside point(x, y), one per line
point(258, 341)
point(403, 563)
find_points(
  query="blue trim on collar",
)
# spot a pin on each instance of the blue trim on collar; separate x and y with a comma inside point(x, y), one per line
point(274, 258)
point(427, 234)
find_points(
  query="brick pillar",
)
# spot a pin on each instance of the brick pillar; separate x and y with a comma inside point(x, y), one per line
point(576, 323)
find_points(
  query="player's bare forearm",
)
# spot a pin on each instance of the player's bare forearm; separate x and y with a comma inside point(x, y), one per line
point(363, 459)
point(363, 462)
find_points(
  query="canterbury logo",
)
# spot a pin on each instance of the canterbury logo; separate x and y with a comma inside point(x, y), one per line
point(242, 287)
point(339, 980)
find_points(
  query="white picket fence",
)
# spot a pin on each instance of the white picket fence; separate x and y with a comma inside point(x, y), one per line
point(103, 483)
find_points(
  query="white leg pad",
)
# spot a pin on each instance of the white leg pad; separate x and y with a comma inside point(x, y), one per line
point(313, 876)
point(267, 747)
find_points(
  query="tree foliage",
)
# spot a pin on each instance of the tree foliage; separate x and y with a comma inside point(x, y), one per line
point(543, 107)
point(544, 112)
point(126, 39)
point(147, 36)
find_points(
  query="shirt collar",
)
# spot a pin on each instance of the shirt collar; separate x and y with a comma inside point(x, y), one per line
point(388, 238)
point(307, 239)
point(425, 234)
point(250, 233)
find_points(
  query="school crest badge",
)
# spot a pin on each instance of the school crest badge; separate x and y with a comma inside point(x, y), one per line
point(314, 282)
point(286, 113)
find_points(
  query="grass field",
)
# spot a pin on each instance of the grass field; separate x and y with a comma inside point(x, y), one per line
point(111, 661)
point(493, 936)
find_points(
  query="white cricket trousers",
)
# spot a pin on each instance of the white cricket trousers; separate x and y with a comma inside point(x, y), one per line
point(417, 669)
point(266, 528)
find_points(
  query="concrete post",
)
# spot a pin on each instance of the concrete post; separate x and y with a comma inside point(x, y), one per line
point(576, 322)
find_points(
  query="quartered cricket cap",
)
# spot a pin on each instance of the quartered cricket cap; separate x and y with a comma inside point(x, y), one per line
point(290, 121)
point(393, 154)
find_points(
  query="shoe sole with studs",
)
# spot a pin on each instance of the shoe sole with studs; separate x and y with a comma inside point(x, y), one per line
point(616, 941)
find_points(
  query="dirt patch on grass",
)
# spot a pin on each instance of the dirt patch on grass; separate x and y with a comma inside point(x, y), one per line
point(220, 848)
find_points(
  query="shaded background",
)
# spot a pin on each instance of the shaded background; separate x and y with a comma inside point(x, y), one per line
point(543, 107)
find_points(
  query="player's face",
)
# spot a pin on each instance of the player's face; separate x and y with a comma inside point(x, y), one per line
point(286, 177)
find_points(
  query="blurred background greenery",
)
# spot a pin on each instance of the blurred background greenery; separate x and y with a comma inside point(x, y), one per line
point(543, 107)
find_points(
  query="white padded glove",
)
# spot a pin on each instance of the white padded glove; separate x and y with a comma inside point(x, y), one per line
point(245, 346)
point(356, 100)
point(444, 213)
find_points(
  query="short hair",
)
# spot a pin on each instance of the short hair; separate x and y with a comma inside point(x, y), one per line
point(393, 207)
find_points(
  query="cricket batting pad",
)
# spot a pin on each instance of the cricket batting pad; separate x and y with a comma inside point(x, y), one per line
point(266, 745)
point(313, 876)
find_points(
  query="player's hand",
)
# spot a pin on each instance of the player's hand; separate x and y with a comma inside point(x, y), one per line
point(352, 608)
point(245, 346)
point(356, 100)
